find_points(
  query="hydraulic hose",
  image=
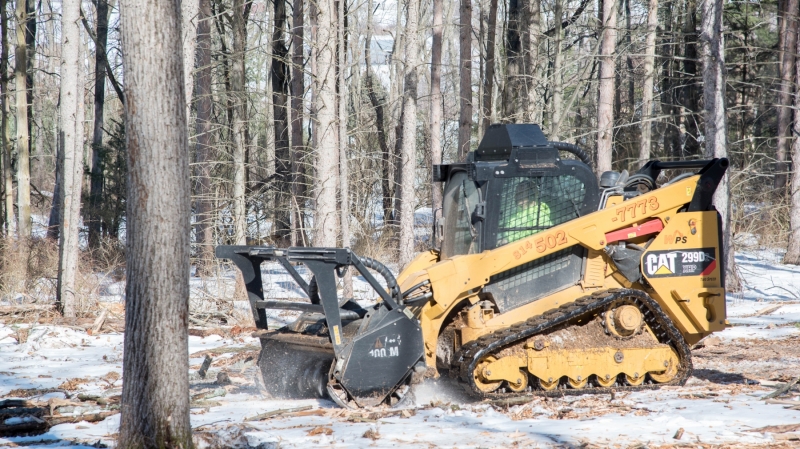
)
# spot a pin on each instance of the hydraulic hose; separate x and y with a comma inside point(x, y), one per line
point(574, 149)
point(391, 282)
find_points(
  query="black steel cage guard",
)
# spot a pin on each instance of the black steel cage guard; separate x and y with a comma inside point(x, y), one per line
point(369, 365)
point(323, 263)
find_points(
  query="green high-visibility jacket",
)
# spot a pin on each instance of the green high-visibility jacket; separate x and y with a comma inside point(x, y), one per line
point(536, 214)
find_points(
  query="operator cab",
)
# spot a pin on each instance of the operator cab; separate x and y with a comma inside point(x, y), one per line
point(516, 184)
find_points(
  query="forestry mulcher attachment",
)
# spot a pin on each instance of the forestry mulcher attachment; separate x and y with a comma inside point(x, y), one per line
point(542, 282)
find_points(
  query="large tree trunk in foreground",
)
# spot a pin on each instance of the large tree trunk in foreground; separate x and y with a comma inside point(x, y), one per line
point(408, 197)
point(649, 80)
point(465, 77)
point(789, 29)
point(23, 137)
point(793, 252)
point(716, 126)
point(605, 103)
point(155, 392)
point(325, 220)
point(72, 126)
point(204, 142)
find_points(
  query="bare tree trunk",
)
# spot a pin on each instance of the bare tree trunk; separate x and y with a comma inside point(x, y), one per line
point(239, 30)
point(716, 126)
point(408, 199)
point(787, 66)
point(436, 101)
point(23, 137)
point(649, 81)
point(465, 77)
point(522, 52)
point(96, 183)
point(155, 394)
point(488, 82)
point(54, 221)
point(605, 103)
point(203, 129)
point(344, 172)
point(280, 99)
point(532, 14)
point(557, 102)
point(378, 104)
point(793, 251)
point(72, 125)
point(689, 91)
point(189, 11)
point(8, 188)
point(298, 89)
point(327, 151)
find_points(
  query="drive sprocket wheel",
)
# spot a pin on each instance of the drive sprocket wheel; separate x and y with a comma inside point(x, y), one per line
point(486, 386)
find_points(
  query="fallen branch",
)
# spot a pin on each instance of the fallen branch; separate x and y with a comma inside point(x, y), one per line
point(283, 411)
point(88, 417)
point(782, 390)
point(98, 323)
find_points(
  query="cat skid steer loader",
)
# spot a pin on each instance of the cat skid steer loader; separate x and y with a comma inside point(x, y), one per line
point(592, 288)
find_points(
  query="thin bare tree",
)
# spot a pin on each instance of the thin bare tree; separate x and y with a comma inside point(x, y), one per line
point(8, 187)
point(557, 102)
point(649, 81)
point(488, 81)
point(787, 56)
point(23, 128)
point(325, 220)
point(94, 218)
point(793, 251)
point(238, 126)
point(155, 394)
point(436, 102)
point(204, 141)
point(716, 123)
point(408, 197)
point(72, 127)
point(606, 86)
point(465, 77)
point(344, 172)
point(297, 113)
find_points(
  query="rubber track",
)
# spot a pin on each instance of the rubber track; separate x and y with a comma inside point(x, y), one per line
point(469, 355)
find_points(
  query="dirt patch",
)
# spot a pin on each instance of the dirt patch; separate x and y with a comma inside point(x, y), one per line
point(742, 361)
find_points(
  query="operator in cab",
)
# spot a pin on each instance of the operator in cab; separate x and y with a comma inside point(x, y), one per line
point(530, 214)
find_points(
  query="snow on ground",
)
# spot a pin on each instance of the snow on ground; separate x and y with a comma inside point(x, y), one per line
point(720, 405)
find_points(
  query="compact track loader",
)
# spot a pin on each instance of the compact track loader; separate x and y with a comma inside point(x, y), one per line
point(588, 288)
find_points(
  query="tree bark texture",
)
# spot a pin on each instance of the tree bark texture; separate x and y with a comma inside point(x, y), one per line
point(189, 11)
point(298, 147)
point(716, 126)
point(204, 141)
point(522, 51)
point(72, 126)
point(344, 172)
point(239, 124)
point(789, 27)
point(488, 81)
point(690, 98)
point(557, 102)
point(96, 179)
point(606, 86)
point(325, 220)
point(280, 99)
point(8, 188)
point(155, 393)
point(408, 198)
point(649, 82)
point(436, 102)
point(23, 137)
point(465, 78)
point(793, 251)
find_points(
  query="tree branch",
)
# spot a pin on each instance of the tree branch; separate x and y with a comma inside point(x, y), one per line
point(102, 52)
point(569, 21)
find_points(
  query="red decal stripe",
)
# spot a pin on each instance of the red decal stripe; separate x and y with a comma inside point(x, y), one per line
point(710, 268)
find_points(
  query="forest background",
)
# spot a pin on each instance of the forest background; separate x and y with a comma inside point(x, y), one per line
point(317, 123)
